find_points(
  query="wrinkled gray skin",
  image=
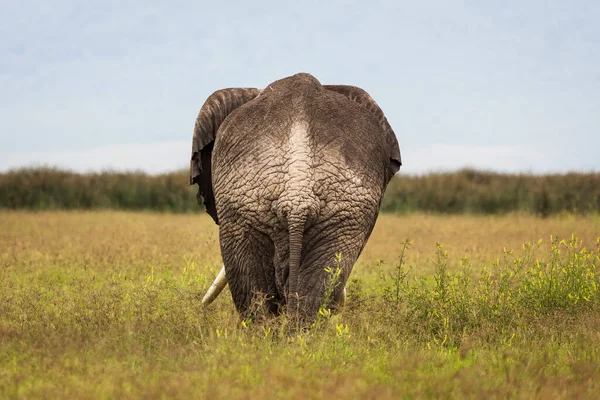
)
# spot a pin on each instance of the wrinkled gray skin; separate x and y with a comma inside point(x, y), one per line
point(292, 174)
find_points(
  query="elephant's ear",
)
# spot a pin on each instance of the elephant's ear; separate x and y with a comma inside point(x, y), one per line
point(361, 97)
point(212, 114)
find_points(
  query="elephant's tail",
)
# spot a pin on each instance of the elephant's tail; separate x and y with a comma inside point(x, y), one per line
point(296, 225)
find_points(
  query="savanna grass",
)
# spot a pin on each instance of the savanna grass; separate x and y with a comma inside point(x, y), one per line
point(107, 305)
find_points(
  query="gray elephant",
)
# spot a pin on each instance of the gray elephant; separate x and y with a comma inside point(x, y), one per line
point(293, 174)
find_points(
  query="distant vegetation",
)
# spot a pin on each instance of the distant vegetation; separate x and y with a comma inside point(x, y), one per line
point(49, 188)
point(469, 191)
point(465, 191)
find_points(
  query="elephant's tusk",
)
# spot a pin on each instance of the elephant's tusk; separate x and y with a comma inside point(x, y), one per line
point(343, 299)
point(216, 288)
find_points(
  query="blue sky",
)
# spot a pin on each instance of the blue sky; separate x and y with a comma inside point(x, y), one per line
point(506, 86)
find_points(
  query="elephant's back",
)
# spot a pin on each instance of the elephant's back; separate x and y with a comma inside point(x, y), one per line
point(338, 130)
point(312, 149)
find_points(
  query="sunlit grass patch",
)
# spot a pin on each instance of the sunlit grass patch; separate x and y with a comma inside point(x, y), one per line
point(108, 305)
point(510, 293)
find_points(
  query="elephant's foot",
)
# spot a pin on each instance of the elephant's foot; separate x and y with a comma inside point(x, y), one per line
point(221, 281)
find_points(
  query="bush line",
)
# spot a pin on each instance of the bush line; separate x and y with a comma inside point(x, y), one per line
point(464, 191)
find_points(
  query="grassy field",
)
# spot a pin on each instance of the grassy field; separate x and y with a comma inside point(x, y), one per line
point(107, 305)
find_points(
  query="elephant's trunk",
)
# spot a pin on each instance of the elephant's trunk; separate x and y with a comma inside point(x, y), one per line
point(216, 288)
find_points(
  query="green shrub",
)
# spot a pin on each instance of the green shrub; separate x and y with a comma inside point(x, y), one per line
point(49, 188)
point(508, 293)
point(465, 191)
point(469, 191)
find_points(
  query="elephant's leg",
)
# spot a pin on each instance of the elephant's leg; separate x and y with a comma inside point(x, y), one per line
point(248, 259)
point(322, 246)
point(315, 281)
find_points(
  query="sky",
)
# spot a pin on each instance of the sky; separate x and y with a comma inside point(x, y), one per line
point(511, 86)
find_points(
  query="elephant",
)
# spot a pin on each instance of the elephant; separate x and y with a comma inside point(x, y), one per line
point(293, 175)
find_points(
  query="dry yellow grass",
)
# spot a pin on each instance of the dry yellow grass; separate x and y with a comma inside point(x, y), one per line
point(481, 238)
point(104, 305)
point(134, 241)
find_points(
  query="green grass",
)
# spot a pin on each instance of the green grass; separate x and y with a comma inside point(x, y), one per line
point(107, 305)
